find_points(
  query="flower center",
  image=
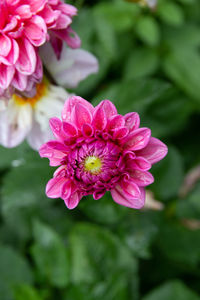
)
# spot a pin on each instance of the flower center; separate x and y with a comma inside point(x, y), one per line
point(41, 90)
point(93, 164)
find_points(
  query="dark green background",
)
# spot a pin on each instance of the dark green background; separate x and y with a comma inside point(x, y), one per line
point(149, 63)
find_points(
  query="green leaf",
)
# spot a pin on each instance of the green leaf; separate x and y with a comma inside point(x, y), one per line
point(106, 35)
point(170, 12)
point(134, 95)
point(96, 254)
point(168, 113)
point(189, 207)
point(168, 175)
point(148, 30)
point(50, 255)
point(190, 2)
point(172, 290)
point(120, 15)
point(115, 287)
point(84, 31)
point(14, 270)
point(139, 232)
point(24, 185)
point(23, 192)
point(104, 211)
point(142, 62)
point(180, 245)
point(26, 292)
point(185, 37)
point(183, 67)
point(14, 156)
point(161, 106)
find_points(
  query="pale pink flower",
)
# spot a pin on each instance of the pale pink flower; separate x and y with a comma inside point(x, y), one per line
point(73, 66)
point(25, 25)
point(99, 150)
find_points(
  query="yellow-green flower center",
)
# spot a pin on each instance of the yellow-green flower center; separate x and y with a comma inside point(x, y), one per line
point(93, 164)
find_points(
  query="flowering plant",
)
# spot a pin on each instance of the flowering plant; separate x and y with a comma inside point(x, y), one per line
point(149, 69)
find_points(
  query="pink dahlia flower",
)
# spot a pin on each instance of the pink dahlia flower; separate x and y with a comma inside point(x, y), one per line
point(25, 25)
point(99, 150)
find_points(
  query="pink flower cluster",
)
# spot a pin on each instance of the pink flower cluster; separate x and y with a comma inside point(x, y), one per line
point(99, 150)
point(26, 25)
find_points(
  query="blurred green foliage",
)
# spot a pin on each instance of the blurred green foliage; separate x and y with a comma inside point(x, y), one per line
point(149, 63)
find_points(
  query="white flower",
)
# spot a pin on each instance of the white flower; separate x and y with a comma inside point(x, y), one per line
point(29, 117)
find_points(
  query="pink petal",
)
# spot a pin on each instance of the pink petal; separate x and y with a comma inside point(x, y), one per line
point(36, 31)
point(138, 163)
point(3, 14)
point(63, 22)
point(53, 155)
point(73, 201)
point(13, 54)
point(132, 197)
point(98, 194)
point(56, 145)
point(69, 129)
point(99, 118)
point(81, 115)
point(56, 127)
point(154, 151)
point(120, 133)
point(68, 9)
point(109, 108)
point(54, 187)
point(5, 45)
point(60, 172)
point(138, 139)
point(49, 15)
point(116, 121)
point(69, 36)
point(11, 25)
point(7, 73)
point(87, 130)
point(26, 63)
point(37, 5)
point(132, 121)
point(24, 11)
point(57, 46)
point(53, 2)
point(71, 103)
point(66, 190)
point(130, 189)
point(141, 178)
point(38, 74)
point(19, 81)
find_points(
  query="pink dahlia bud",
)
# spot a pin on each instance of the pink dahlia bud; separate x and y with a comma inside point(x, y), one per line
point(99, 150)
point(25, 25)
